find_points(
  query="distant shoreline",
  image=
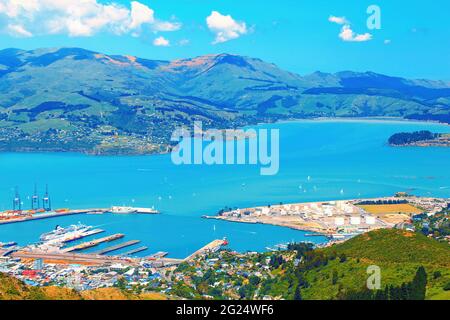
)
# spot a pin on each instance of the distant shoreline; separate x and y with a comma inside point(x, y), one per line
point(27, 150)
point(362, 119)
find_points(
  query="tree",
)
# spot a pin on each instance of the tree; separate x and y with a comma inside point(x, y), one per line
point(297, 294)
point(334, 277)
point(419, 285)
point(254, 280)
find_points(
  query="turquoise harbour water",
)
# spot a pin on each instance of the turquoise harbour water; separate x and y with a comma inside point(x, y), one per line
point(348, 156)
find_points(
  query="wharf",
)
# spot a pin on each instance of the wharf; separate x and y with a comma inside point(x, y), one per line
point(131, 252)
point(49, 215)
point(210, 247)
point(84, 235)
point(158, 255)
point(93, 243)
point(117, 247)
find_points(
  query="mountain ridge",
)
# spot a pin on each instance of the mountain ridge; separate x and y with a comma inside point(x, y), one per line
point(82, 97)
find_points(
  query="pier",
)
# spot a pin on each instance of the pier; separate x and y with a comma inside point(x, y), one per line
point(117, 247)
point(49, 215)
point(84, 235)
point(93, 243)
point(72, 258)
point(131, 252)
point(157, 255)
point(210, 247)
point(22, 216)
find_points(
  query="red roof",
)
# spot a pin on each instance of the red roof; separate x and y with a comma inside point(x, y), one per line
point(29, 273)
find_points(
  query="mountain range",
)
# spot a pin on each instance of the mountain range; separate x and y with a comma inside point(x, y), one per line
point(71, 99)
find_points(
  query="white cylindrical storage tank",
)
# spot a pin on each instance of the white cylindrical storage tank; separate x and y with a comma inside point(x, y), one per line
point(370, 220)
point(339, 221)
point(355, 221)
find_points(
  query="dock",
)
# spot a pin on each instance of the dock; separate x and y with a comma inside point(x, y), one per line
point(84, 235)
point(316, 235)
point(131, 252)
point(93, 243)
point(117, 247)
point(157, 255)
point(73, 258)
point(210, 247)
point(49, 215)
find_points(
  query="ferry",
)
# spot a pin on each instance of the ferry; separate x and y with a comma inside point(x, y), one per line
point(60, 232)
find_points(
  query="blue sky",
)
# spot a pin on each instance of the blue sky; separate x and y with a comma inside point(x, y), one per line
point(297, 35)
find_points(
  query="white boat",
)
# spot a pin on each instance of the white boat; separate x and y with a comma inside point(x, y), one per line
point(123, 210)
point(146, 210)
point(130, 210)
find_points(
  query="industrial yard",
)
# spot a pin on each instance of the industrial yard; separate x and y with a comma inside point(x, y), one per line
point(338, 219)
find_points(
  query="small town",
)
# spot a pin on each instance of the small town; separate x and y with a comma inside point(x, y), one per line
point(215, 271)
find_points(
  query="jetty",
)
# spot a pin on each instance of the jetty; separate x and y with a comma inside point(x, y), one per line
point(210, 247)
point(157, 255)
point(48, 215)
point(93, 243)
point(117, 247)
point(24, 216)
point(83, 235)
point(137, 250)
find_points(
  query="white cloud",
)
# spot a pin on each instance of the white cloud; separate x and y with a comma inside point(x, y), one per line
point(166, 26)
point(387, 41)
point(183, 42)
point(338, 20)
point(17, 30)
point(140, 14)
point(347, 34)
point(79, 18)
point(161, 42)
point(225, 27)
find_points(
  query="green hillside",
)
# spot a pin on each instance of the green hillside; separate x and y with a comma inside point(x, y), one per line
point(398, 253)
point(395, 246)
point(13, 289)
point(71, 99)
point(340, 271)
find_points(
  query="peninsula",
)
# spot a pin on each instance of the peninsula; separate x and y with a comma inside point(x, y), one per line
point(420, 139)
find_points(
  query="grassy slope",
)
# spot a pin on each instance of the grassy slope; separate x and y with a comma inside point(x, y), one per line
point(14, 289)
point(397, 253)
